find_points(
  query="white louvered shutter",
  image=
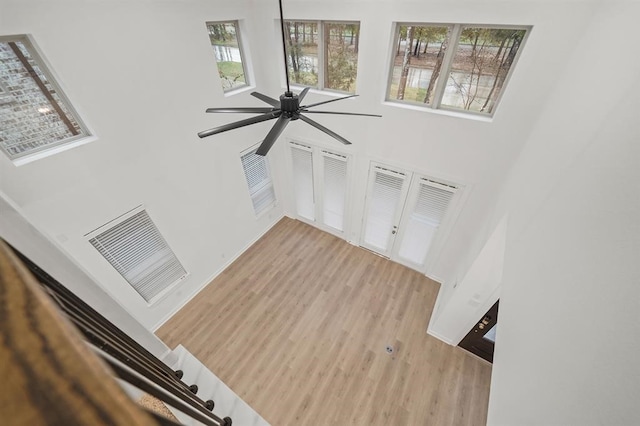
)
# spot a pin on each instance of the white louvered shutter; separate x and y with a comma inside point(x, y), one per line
point(256, 171)
point(334, 189)
point(135, 248)
point(430, 207)
point(302, 160)
point(385, 197)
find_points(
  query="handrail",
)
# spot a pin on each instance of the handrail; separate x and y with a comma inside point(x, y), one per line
point(128, 359)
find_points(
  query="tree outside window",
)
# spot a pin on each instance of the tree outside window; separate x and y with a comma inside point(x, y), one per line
point(480, 67)
point(302, 52)
point(323, 55)
point(225, 41)
point(471, 77)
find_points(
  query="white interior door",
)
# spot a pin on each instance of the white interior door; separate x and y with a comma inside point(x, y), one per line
point(426, 207)
point(385, 199)
point(334, 190)
point(303, 188)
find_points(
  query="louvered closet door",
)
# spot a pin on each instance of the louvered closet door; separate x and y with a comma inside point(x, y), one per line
point(302, 161)
point(427, 205)
point(385, 198)
point(334, 189)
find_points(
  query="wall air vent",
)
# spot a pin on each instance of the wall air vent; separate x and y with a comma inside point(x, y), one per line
point(137, 250)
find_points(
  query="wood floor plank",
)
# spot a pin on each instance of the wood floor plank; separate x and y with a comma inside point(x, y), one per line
point(298, 326)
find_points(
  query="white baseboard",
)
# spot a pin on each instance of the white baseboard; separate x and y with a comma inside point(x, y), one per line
point(430, 332)
point(435, 278)
point(215, 274)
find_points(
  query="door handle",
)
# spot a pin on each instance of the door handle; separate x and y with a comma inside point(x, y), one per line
point(485, 321)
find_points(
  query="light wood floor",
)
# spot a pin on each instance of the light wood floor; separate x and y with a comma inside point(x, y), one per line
point(298, 326)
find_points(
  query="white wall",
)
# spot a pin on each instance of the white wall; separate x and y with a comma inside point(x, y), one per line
point(475, 294)
point(141, 73)
point(27, 239)
point(474, 153)
point(569, 336)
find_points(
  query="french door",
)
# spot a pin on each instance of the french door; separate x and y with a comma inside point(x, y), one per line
point(320, 186)
point(403, 214)
point(385, 200)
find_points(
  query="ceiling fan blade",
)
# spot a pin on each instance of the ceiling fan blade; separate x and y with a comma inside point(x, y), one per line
point(341, 113)
point(273, 134)
point(303, 94)
point(238, 124)
point(264, 98)
point(241, 110)
point(326, 102)
point(324, 129)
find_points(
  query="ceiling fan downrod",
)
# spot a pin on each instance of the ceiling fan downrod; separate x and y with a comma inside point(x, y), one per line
point(284, 51)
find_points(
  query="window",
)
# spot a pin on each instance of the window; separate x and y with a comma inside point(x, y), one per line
point(323, 55)
point(319, 181)
point(453, 67)
point(256, 171)
point(426, 210)
point(334, 196)
point(302, 160)
point(34, 113)
point(225, 41)
point(137, 250)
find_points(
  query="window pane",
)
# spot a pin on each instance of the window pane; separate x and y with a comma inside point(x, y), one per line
point(224, 40)
point(256, 171)
point(417, 62)
point(138, 251)
point(34, 115)
point(480, 67)
point(426, 214)
point(302, 52)
point(303, 182)
point(334, 191)
point(341, 62)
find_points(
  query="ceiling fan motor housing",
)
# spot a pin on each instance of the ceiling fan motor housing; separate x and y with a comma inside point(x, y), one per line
point(290, 105)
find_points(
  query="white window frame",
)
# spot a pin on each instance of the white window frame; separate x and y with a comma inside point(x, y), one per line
point(263, 186)
point(6, 100)
point(247, 69)
point(322, 54)
point(441, 84)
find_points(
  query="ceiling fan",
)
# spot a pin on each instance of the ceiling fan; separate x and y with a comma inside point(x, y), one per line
point(286, 109)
